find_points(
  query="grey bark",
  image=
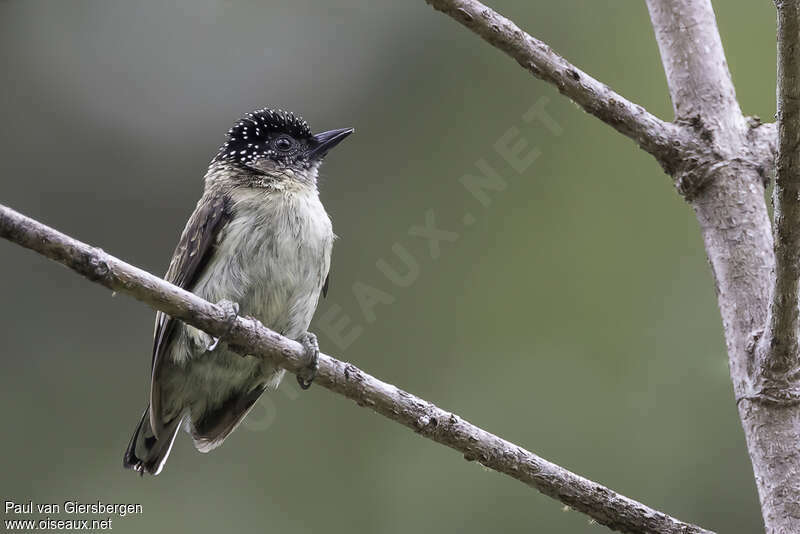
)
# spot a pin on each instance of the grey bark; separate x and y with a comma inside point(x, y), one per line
point(778, 354)
point(771, 411)
point(248, 336)
point(720, 161)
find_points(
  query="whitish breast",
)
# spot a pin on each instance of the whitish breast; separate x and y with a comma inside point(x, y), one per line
point(272, 257)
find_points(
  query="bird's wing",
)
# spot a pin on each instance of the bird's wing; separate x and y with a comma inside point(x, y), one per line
point(195, 248)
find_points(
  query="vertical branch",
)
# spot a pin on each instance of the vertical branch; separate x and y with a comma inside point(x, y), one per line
point(697, 74)
point(778, 357)
point(719, 163)
point(731, 211)
point(771, 413)
point(733, 219)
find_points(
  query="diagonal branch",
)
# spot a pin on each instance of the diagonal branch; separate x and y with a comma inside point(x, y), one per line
point(248, 336)
point(659, 138)
point(780, 363)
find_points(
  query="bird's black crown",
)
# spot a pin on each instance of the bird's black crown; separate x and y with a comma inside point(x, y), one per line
point(271, 133)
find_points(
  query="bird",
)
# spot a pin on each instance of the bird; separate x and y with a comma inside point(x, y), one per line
point(259, 243)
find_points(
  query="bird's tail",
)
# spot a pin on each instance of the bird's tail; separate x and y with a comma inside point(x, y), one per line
point(146, 453)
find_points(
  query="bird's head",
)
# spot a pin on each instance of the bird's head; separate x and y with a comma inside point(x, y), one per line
point(268, 146)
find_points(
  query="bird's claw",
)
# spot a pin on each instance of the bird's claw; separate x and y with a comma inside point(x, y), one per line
point(231, 310)
point(306, 375)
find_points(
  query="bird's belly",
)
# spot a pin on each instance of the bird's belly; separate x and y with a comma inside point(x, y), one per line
point(284, 290)
point(272, 260)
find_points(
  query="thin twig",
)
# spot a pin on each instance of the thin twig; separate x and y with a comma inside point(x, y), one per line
point(248, 336)
point(780, 361)
point(657, 137)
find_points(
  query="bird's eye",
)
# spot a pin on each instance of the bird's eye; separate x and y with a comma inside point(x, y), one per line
point(284, 143)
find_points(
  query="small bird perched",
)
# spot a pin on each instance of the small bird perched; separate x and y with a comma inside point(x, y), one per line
point(259, 237)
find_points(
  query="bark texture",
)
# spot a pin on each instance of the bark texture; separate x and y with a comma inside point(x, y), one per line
point(778, 356)
point(770, 412)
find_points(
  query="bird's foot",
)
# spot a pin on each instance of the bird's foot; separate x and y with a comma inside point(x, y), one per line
point(306, 375)
point(231, 310)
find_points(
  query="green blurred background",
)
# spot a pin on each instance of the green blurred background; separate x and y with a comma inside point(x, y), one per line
point(575, 317)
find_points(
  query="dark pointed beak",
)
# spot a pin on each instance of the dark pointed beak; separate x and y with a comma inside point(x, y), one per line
point(321, 143)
